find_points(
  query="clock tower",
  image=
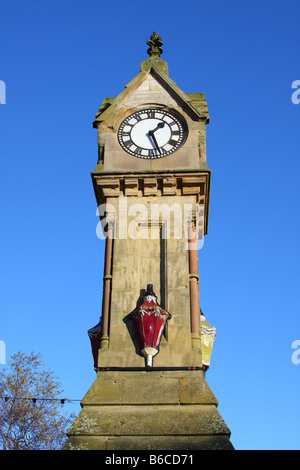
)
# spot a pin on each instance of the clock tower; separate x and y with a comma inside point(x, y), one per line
point(153, 344)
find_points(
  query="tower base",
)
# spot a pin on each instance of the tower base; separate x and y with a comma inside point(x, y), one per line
point(170, 410)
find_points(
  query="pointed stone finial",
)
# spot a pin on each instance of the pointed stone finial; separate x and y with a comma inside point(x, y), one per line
point(154, 52)
point(155, 44)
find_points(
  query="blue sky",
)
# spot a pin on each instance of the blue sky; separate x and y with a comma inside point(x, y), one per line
point(58, 61)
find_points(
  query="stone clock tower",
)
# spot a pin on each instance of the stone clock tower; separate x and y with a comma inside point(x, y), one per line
point(152, 345)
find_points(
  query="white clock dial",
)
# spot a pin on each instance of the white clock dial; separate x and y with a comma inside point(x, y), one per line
point(151, 133)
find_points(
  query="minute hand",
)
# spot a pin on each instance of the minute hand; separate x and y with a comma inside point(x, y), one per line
point(160, 125)
point(151, 133)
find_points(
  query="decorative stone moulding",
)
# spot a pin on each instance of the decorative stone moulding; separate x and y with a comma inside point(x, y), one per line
point(160, 184)
point(150, 320)
point(195, 184)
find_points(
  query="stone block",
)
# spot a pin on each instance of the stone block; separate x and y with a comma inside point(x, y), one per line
point(150, 420)
point(195, 390)
point(146, 443)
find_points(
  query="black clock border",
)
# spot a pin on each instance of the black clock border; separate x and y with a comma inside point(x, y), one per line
point(182, 133)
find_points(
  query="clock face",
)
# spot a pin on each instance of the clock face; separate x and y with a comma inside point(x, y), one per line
point(151, 133)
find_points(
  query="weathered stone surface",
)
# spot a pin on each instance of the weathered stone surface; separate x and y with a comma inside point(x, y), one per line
point(149, 387)
point(195, 390)
point(151, 252)
point(149, 420)
point(145, 443)
point(156, 410)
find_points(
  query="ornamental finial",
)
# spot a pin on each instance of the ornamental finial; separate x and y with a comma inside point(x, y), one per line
point(155, 44)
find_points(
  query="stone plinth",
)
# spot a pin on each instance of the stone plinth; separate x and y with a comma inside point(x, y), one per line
point(174, 410)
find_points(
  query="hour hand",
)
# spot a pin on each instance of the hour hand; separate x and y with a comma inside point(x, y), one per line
point(160, 125)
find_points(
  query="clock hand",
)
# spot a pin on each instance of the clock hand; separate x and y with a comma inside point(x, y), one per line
point(160, 125)
point(151, 134)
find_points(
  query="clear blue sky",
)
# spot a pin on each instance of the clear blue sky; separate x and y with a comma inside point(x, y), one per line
point(58, 61)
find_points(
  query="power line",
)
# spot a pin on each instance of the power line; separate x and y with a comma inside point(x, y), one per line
point(62, 401)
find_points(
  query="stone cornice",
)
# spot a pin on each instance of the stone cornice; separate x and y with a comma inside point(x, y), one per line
point(163, 184)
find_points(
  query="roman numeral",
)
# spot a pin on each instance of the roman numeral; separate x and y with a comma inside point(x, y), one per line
point(138, 151)
point(150, 114)
point(173, 142)
point(128, 143)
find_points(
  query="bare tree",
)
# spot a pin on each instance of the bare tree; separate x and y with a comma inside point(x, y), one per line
point(31, 415)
